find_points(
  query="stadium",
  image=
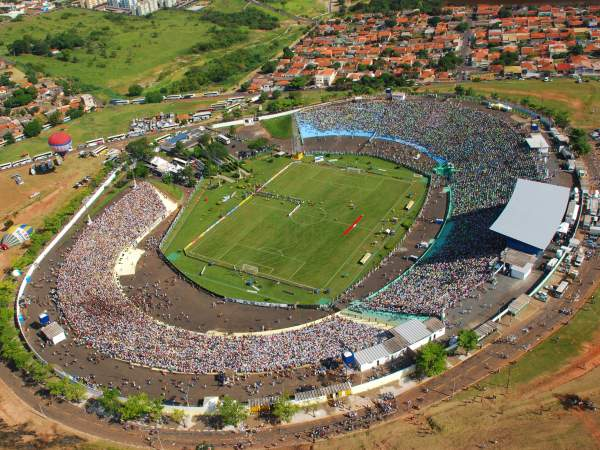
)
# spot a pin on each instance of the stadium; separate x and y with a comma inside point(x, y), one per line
point(389, 232)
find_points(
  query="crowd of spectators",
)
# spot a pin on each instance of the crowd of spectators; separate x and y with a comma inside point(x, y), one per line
point(99, 314)
point(487, 154)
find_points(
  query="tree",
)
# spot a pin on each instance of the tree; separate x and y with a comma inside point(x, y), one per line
point(55, 118)
point(561, 117)
point(177, 415)
point(459, 90)
point(505, 12)
point(288, 53)
point(139, 149)
point(135, 407)
point(269, 67)
point(579, 141)
point(67, 389)
point(154, 97)
point(135, 90)
point(462, 27)
point(231, 411)
point(431, 359)
point(283, 409)
point(8, 138)
point(467, 339)
point(32, 128)
point(109, 401)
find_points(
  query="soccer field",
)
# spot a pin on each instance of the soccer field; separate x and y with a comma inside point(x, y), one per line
point(297, 235)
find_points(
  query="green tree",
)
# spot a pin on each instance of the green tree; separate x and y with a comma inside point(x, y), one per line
point(67, 389)
point(139, 149)
point(283, 409)
point(55, 118)
point(177, 416)
point(135, 90)
point(8, 138)
point(467, 339)
point(135, 407)
point(109, 401)
point(431, 359)
point(231, 411)
point(269, 67)
point(154, 97)
point(459, 90)
point(561, 117)
point(32, 128)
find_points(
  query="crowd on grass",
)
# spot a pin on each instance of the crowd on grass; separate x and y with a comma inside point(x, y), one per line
point(100, 315)
point(488, 156)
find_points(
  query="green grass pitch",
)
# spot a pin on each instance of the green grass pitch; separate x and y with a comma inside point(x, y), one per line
point(306, 256)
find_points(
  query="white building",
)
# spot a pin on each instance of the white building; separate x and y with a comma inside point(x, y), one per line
point(411, 334)
point(325, 77)
point(54, 333)
point(537, 142)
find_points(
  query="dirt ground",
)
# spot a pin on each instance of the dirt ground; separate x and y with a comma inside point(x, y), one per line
point(21, 204)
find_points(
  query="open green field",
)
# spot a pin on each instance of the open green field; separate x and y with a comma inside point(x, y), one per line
point(122, 50)
point(581, 101)
point(305, 257)
point(280, 127)
point(303, 8)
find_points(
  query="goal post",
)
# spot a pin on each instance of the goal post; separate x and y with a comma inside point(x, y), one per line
point(353, 170)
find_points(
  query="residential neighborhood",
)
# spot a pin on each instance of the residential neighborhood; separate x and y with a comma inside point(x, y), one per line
point(484, 42)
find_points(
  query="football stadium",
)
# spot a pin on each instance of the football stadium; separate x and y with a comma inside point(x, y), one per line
point(391, 223)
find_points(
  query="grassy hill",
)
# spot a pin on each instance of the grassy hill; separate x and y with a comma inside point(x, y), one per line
point(122, 50)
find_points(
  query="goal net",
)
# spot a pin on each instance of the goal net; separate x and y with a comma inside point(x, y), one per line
point(249, 269)
point(354, 170)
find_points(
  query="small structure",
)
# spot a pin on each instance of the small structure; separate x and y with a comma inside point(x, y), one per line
point(324, 393)
point(537, 142)
point(54, 333)
point(518, 304)
point(44, 318)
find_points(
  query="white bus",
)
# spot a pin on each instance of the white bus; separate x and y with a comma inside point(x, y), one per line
point(5, 166)
point(211, 94)
point(192, 95)
point(173, 97)
point(180, 162)
point(98, 150)
point(94, 142)
point(21, 162)
point(41, 156)
point(158, 140)
point(236, 99)
point(561, 289)
point(223, 139)
point(116, 137)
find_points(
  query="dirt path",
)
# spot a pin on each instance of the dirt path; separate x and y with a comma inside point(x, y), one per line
point(586, 361)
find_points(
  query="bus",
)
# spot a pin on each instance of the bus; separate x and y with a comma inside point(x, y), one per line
point(236, 99)
point(211, 94)
point(173, 97)
point(94, 142)
point(41, 156)
point(180, 162)
point(223, 139)
point(560, 290)
point(5, 166)
point(192, 95)
point(116, 137)
point(46, 127)
point(119, 101)
point(98, 150)
point(21, 162)
point(158, 140)
point(138, 101)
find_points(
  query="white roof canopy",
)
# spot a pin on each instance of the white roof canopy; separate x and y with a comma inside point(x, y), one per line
point(534, 213)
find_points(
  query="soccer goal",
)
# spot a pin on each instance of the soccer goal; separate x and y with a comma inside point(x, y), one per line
point(353, 170)
point(253, 270)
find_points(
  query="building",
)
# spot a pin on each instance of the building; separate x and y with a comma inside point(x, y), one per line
point(161, 166)
point(532, 216)
point(91, 4)
point(409, 335)
point(88, 102)
point(325, 77)
point(54, 333)
point(537, 143)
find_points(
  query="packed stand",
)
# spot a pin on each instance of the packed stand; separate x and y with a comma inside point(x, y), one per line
point(101, 316)
point(488, 156)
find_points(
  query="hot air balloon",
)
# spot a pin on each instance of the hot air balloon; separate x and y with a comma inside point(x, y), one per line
point(15, 235)
point(60, 142)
